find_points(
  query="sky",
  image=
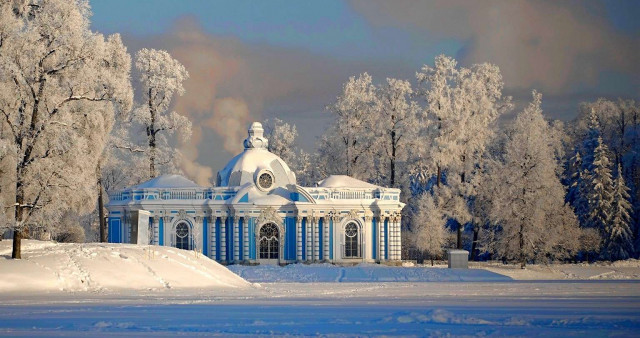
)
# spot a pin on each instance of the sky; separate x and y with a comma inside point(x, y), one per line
point(255, 60)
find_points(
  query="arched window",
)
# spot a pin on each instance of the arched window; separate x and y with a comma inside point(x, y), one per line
point(351, 242)
point(269, 241)
point(182, 236)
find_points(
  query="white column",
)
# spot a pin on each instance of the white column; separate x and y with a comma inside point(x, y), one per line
point(316, 239)
point(398, 238)
point(299, 238)
point(212, 231)
point(325, 238)
point(308, 235)
point(389, 239)
point(223, 238)
point(156, 230)
point(236, 239)
point(368, 250)
point(245, 239)
point(381, 239)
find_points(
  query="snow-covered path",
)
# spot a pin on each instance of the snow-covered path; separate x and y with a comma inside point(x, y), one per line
point(586, 308)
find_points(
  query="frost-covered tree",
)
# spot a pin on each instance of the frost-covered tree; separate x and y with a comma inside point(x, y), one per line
point(599, 189)
point(619, 237)
point(161, 78)
point(463, 105)
point(618, 124)
point(429, 231)
point(395, 125)
point(60, 86)
point(283, 138)
point(530, 217)
point(346, 147)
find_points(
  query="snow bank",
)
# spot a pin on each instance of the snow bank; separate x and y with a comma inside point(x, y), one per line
point(627, 269)
point(48, 266)
point(301, 273)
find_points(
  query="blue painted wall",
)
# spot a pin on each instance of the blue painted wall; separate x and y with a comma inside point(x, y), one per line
point(115, 230)
point(290, 240)
point(321, 238)
point(331, 239)
point(304, 238)
point(217, 230)
point(252, 236)
point(161, 232)
point(205, 238)
point(229, 235)
point(386, 239)
point(241, 236)
point(373, 238)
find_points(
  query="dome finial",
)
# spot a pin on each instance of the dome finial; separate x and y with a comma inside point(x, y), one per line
point(256, 139)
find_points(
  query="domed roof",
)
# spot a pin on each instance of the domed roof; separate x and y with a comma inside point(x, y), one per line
point(167, 181)
point(255, 161)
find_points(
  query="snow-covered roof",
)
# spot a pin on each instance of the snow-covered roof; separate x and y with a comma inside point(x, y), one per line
point(255, 158)
point(344, 181)
point(167, 181)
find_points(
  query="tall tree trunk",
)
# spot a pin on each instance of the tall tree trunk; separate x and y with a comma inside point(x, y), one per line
point(16, 253)
point(151, 134)
point(393, 158)
point(103, 223)
point(460, 225)
point(438, 176)
point(459, 236)
point(474, 244)
point(523, 261)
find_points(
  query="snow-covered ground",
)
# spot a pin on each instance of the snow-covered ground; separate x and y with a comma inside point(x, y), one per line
point(49, 266)
point(123, 294)
point(478, 272)
point(578, 308)
point(302, 273)
point(628, 269)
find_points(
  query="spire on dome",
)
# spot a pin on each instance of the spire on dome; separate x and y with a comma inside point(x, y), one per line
point(256, 139)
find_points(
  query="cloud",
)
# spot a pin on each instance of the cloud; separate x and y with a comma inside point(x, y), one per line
point(199, 173)
point(230, 84)
point(556, 46)
point(230, 119)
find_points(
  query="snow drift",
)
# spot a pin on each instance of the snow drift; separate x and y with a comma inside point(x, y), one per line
point(49, 266)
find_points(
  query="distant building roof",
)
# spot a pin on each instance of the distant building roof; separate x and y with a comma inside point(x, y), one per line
point(167, 181)
point(344, 181)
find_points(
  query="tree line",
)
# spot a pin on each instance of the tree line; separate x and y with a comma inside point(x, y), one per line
point(531, 189)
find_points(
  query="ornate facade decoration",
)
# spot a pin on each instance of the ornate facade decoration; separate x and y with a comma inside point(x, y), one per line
point(257, 188)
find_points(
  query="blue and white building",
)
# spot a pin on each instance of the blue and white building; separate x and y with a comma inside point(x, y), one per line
point(258, 214)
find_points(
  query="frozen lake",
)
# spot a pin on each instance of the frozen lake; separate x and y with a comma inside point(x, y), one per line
point(554, 308)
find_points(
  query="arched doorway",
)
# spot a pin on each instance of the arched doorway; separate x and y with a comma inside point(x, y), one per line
point(269, 243)
point(183, 240)
point(351, 241)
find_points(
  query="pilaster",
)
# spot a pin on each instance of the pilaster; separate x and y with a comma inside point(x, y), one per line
point(325, 238)
point(308, 255)
point(299, 238)
point(212, 236)
point(245, 239)
point(223, 239)
point(236, 238)
point(381, 239)
point(316, 239)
